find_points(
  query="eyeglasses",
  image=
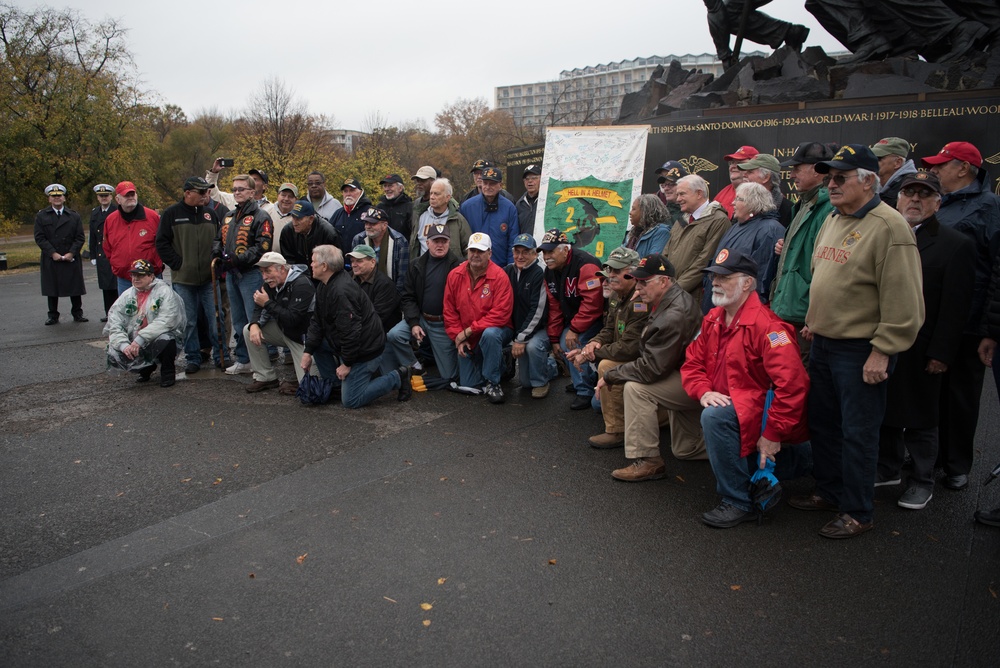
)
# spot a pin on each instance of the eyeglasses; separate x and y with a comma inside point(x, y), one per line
point(839, 179)
point(738, 199)
point(922, 193)
point(239, 190)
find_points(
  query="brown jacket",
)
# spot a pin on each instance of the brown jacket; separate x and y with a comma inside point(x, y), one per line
point(623, 327)
point(691, 248)
point(671, 326)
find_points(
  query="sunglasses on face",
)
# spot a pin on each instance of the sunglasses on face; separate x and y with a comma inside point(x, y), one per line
point(839, 179)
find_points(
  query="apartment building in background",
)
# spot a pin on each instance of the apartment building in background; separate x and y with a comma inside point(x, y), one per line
point(591, 95)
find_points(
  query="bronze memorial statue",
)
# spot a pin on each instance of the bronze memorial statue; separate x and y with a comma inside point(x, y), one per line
point(938, 30)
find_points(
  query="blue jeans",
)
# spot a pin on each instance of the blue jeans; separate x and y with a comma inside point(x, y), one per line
point(483, 363)
point(732, 472)
point(583, 380)
point(399, 352)
point(241, 304)
point(845, 414)
point(198, 298)
point(359, 388)
point(536, 367)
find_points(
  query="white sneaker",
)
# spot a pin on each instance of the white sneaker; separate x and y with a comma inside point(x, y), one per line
point(239, 368)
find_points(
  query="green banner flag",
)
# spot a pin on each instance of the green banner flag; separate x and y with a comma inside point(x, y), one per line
point(592, 213)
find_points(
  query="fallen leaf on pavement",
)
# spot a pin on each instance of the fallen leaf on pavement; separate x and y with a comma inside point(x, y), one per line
point(993, 591)
point(735, 587)
point(111, 424)
point(77, 461)
point(217, 481)
point(426, 606)
point(389, 599)
point(427, 622)
point(441, 581)
point(217, 619)
point(680, 478)
point(252, 576)
point(552, 562)
point(119, 494)
point(186, 480)
point(302, 557)
point(444, 478)
point(236, 466)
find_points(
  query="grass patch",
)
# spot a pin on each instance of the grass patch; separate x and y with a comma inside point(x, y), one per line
point(20, 253)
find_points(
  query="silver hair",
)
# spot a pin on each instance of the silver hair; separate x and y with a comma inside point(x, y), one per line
point(864, 174)
point(766, 174)
point(757, 198)
point(696, 183)
point(329, 255)
point(447, 185)
point(652, 211)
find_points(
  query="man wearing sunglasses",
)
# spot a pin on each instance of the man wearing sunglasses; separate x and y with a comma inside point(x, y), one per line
point(184, 243)
point(865, 307)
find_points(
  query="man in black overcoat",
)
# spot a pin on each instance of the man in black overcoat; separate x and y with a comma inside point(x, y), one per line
point(59, 233)
point(106, 280)
point(948, 260)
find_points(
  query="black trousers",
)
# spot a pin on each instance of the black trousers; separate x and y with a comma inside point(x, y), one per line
point(961, 390)
point(76, 306)
point(922, 445)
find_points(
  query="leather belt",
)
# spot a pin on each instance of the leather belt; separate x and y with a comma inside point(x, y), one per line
point(433, 318)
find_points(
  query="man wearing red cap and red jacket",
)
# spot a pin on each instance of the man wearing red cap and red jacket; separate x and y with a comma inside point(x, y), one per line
point(726, 196)
point(130, 235)
point(967, 206)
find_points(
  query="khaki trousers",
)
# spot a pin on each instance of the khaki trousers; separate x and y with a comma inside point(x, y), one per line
point(647, 406)
point(260, 361)
point(612, 400)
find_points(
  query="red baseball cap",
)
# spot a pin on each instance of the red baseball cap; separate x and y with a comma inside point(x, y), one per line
point(125, 187)
point(956, 150)
point(743, 153)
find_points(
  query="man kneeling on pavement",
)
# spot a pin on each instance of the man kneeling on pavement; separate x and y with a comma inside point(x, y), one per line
point(652, 381)
point(346, 338)
point(282, 309)
point(144, 325)
point(742, 352)
point(616, 343)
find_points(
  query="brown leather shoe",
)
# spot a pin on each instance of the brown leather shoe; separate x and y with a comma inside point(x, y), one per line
point(648, 468)
point(607, 440)
point(260, 385)
point(845, 526)
point(288, 387)
point(811, 502)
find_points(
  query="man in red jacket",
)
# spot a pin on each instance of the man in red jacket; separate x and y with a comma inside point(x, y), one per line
point(576, 307)
point(478, 303)
point(743, 351)
point(130, 235)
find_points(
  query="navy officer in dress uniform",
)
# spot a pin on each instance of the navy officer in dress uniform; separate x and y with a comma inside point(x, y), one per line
point(59, 233)
point(106, 280)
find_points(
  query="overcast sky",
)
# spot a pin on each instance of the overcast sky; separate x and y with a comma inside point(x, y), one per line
point(404, 61)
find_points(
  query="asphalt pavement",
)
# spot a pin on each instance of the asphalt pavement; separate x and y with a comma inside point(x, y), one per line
point(200, 525)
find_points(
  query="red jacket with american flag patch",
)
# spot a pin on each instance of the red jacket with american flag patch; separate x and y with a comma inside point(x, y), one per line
point(762, 354)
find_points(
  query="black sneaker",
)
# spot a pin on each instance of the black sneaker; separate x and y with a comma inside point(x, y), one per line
point(494, 393)
point(725, 516)
point(145, 373)
point(192, 368)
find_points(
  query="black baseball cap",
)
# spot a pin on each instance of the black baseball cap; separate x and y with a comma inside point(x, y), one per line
point(850, 156)
point(732, 262)
point(809, 153)
point(652, 265)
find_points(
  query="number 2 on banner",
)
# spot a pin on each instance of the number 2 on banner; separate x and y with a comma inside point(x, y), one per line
point(569, 214)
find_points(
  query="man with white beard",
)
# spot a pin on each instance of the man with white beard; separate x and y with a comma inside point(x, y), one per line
point(743, 351)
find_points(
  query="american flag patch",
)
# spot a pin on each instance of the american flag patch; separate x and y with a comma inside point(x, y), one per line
point(639, 307)
point(778, 339)
point(592, 283)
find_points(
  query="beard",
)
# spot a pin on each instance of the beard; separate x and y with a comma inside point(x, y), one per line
point(722, 298)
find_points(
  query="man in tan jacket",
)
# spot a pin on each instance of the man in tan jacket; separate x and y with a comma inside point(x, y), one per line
point(693, 241)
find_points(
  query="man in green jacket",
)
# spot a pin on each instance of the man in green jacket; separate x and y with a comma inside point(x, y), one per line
point(790, 289)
